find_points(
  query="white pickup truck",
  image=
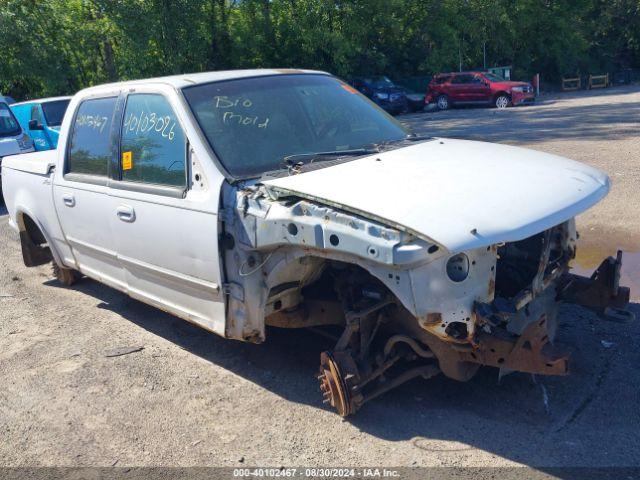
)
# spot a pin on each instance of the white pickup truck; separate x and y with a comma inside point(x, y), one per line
point(243, 199)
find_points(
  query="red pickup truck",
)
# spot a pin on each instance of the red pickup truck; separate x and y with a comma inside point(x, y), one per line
point(468, 88)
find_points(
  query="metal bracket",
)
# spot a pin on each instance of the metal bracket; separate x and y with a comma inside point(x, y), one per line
point(600, 291)
point(530, 352)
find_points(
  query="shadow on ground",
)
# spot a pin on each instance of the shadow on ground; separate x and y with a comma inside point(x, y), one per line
point(561, 421)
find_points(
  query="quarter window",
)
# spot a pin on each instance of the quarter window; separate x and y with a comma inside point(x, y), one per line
point(91, 146)
point(153, 147)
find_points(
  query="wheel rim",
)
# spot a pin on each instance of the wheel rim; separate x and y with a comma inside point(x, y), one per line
point(502, 102)
point(443, 103)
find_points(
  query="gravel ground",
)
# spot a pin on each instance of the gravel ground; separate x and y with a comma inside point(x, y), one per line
point(191, 398)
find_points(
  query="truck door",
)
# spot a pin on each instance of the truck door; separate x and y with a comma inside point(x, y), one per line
point(164, 212)
point(80, 191)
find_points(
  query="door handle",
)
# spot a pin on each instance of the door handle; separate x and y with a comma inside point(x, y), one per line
point(69, 200)
point(126, 213)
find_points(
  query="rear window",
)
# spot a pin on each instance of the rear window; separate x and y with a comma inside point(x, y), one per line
point(54, 112)
point(91, 146)
point(9, 126)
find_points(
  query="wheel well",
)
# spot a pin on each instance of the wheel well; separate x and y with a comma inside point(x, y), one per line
point(501, 93)
point(33, 231)
point(35, 250)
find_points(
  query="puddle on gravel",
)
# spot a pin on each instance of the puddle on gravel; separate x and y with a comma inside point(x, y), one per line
point(593, 249)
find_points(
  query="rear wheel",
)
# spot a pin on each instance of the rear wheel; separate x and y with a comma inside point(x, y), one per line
point(502, 101)
point(66, 276)
point(442, 102)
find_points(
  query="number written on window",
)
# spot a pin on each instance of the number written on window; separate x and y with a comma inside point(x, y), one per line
point(153, 143)
point(91, 145)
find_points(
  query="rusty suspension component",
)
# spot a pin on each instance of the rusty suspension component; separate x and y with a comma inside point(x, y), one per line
point(350, 376)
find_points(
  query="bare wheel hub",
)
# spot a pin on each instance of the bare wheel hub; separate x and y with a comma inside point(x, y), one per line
point(338, 382)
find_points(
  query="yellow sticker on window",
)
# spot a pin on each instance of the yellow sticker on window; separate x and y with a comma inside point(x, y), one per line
point(127, 160)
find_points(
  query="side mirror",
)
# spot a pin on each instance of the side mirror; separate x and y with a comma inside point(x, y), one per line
point(35, 125)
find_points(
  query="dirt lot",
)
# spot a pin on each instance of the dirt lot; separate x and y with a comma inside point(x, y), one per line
point(190, 398)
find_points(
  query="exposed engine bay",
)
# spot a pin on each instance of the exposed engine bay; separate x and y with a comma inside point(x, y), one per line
point(404, 306)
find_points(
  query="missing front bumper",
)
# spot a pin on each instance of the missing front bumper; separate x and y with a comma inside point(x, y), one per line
point(532, 351)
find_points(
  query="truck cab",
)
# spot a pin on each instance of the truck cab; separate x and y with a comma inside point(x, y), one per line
point(42, 118)
point(245, 199)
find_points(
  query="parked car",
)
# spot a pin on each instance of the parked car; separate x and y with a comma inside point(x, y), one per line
point(6, 99)
point(244, 199)
point(477, 88)
point(42, 119)
point(13, 140)
point(415, 101)
point(384, 92)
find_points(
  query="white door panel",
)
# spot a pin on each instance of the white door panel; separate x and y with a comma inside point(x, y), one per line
point(84, 215)
point(166, 240)
point(169, 251)
point(80, 191)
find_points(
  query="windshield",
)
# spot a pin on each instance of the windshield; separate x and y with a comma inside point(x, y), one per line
point(381, 82)
point(493, 77)
point(9, 126)
point(252, 124)
point(54, 112)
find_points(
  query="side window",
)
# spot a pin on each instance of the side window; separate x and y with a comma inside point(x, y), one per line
point(461, 79)
point(36, 114)
point(153, 147)
point(91, 147)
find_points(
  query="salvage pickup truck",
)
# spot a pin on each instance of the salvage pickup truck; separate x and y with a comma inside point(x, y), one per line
point(244, 199)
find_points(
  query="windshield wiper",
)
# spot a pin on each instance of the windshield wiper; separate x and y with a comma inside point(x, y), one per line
point(289, 160)
point(411, 137)
point(293, 163)
point(415, 137)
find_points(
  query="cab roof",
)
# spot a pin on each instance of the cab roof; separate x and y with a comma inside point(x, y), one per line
point(188, 79)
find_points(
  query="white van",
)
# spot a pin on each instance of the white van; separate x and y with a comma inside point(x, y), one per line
point(13, 139)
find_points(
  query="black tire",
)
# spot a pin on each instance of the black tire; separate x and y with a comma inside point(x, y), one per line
point(502, 101)
point(442, 102)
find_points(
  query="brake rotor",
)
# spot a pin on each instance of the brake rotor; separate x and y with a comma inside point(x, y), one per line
point(338, 382)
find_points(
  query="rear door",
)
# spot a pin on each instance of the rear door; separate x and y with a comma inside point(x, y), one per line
point(163, 211)
point(460, 87)
point(80, 191)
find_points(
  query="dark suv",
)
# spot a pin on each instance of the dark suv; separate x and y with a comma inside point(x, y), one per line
point(466, 88)
point(383, 92)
